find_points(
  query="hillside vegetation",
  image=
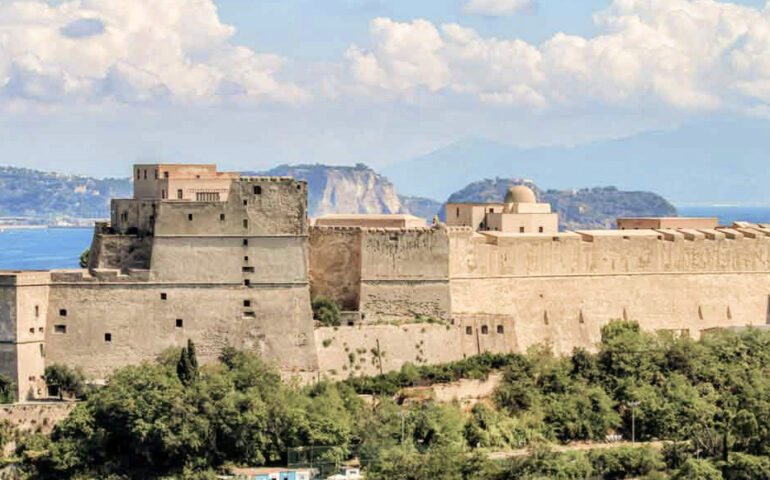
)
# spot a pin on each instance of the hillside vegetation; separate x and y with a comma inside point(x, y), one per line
point(588, 208)
point(709, 399)
point(32, 193)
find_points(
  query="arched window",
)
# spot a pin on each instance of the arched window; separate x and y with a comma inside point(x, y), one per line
point(484, 330)
point(500, 329)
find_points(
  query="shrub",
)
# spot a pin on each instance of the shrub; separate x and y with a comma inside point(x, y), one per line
point(326, 311)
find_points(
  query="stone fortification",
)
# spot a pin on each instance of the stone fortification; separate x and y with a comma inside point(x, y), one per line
point(219, 272)
point(238, 266)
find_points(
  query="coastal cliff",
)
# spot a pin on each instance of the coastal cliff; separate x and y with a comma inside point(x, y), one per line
point(333, 189)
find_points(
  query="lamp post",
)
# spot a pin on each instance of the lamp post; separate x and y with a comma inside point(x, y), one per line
point(633, 406)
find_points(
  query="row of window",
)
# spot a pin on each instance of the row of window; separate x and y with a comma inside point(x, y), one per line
point(484, 330)
point(143, 173)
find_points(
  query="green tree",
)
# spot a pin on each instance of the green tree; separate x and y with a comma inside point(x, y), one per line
point(84, 258)
point(697, 469)
point(7, 387)
point(187, 366)
point(326, 311)
point(64, 379)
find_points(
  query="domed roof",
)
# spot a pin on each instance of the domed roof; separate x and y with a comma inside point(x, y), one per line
point(520, 194)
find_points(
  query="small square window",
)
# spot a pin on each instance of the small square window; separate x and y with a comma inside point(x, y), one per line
point(40, 329)
point(108, 337)
point(163, 296)
point(63, 312)
point(247, 303)
point(540, 229)
point(221, 217)
point(60, 329)
point(179, 323)
point(521, 229)
point(469, 330)
point(246, 259)
point(245, 202)
point(257, 190)
point(32, 330)
point(247, 282)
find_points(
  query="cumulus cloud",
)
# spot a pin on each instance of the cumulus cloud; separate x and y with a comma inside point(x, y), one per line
point(131, 51)
point(690, 55)
point(496, 8)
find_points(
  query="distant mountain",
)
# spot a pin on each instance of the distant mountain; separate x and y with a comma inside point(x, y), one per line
point(47, 196)
point(588, 208)
point(334, 189)
point(421, 207)
point(704, 163)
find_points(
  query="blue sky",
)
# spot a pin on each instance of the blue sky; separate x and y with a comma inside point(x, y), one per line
point(91, 86)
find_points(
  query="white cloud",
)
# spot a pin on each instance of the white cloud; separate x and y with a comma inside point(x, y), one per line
point(496, 8)
point(130, 51)
point(686, 55)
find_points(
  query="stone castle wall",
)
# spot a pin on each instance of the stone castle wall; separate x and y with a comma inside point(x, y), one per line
point(508, 293)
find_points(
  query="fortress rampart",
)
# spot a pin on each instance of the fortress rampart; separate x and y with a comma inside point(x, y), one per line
point(239, 267)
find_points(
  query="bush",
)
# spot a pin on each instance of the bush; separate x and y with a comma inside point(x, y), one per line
point(84, 258)
point(7, 387)
point(625, 462)
point(64, 379)
point(326, 311)
point(697, 469)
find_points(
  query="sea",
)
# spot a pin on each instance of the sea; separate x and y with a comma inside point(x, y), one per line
point(56, 248)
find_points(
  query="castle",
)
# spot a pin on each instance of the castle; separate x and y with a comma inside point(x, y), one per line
point(228, 260)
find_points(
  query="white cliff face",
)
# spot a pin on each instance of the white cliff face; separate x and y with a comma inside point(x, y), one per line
point(344, 189)
point(357, 191)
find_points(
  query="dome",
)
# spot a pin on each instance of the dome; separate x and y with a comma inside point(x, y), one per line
point(520, 194)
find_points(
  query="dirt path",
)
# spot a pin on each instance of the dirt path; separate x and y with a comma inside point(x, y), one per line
point(575, 446)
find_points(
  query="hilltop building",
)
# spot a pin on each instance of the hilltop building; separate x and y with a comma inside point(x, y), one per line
point(228, 260)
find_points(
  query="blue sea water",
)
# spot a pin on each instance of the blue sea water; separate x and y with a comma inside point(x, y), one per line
point(43, 249)
point(53, 248)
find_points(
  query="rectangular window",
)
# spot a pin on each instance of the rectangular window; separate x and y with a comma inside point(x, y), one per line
point(248, 269)
point(221, 217)
point(63, 312)
point(245, 259)
point(469, 330)
point(190, 216)
point(138, 174)
point(179, 323)
point(249, 315)
point(247, 303)
point(521, 229)
point(163, 296)
point(165, 174)
point(107, 337)
point(207, 196)
point(540, 229)
point(247, 282)
point(484, 330)
point(457, 213)
point(145, 174)
point(500, 329)
point(42, 350)
point(179, 194)
point(156, 174)
point(60, 329)
point(32, 330)
point(37, 310)
point(257, 190)
point(245, 242)
point(245, 223)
